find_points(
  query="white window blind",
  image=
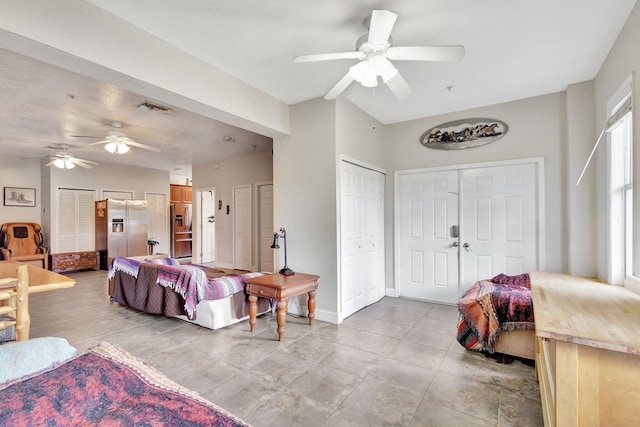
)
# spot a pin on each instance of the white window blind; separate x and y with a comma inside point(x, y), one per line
point(76, 220)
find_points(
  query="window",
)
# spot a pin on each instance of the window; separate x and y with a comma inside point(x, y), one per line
point(620, 198)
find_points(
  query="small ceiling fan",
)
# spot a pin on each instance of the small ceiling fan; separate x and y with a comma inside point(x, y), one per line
point(117, 142)
point(375, 51)
point(63, 159)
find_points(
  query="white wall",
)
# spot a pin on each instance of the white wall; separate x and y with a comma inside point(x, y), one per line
point(304, 177)
point(15, 172)
point(307, 186)
point(536, 129)
point(623, 60)
point(81, 37)
point(223, 176)
point(581, 213)
point(104, 176)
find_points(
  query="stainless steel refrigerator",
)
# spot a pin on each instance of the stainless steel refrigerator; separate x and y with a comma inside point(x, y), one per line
point(121, 229)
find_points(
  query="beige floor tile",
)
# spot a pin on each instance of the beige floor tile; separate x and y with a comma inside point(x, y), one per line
point(395, 362)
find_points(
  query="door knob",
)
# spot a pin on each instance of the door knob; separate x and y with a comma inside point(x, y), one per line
point(466, 246)
point(454, 245)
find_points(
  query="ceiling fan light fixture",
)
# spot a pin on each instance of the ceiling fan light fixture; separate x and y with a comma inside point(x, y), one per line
point(117, 147)
point(63, 163)
point(366, 72)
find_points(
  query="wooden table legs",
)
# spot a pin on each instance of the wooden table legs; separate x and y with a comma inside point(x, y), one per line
point(281, 314)
point(281, 287)
point(253, 311)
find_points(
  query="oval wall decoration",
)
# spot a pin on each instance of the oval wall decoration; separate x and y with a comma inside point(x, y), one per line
point(465, 133)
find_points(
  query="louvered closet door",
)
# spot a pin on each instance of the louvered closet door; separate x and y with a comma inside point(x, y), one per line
point(75, 221)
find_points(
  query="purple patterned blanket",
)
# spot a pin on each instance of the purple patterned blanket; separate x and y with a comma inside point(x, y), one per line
point(503, 303)
point(191, 282)
point(106, 386)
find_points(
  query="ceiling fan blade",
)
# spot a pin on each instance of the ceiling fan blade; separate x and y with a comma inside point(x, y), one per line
point(426, 53)
point(85, 136)
point(382, 22)
point(83, 163)
point(77, 160)
point(143, 146)
point(104, 141)
point(399, 86)
point(339, 87)
point(327, 57)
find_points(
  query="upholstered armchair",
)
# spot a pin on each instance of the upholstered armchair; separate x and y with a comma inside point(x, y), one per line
point(22, 241)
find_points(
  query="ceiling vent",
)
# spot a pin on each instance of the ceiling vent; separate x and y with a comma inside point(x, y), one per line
point(154, 107)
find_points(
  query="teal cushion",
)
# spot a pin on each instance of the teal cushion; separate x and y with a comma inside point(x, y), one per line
point(22, 358)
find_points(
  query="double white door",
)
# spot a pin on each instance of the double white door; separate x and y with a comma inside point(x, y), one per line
point(362, 241)
point(456, 227)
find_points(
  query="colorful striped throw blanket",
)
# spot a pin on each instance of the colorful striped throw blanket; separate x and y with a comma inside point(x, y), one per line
point(503, 303)
point(191, 282)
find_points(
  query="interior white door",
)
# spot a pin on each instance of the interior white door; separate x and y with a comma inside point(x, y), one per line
point(158, 220)
point(362, 237)
point(242, 227)
point(428, 252)
point(265, 221)
point(207, 226)
point(496, 208)
point(499, 222)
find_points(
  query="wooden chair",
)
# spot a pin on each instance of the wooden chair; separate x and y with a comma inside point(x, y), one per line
point(14, 304)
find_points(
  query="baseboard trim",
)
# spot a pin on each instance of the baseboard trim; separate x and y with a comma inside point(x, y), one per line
point(322, 315)
point(391, 292)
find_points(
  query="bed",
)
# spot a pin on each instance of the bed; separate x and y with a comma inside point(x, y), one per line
point(496, 316)
point(105, 385)
point(198, 294)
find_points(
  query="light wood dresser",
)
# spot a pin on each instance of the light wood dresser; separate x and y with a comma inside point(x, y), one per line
point(587, 351)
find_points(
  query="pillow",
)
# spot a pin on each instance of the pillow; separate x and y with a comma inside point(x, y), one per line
point(163, 261)
point(22, 358)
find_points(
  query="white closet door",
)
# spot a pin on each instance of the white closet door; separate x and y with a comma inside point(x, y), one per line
point(242, 227)
point(75, 220)
point(428, 253)
point(158, 221)
point(265, 221)
point(207, 226)
point(362, 237)
point(499, 222)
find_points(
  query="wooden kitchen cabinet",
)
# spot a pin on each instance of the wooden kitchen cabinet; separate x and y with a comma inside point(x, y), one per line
point(587, 351)
point(180, 193)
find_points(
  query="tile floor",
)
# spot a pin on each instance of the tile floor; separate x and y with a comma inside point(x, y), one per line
point(394, 363)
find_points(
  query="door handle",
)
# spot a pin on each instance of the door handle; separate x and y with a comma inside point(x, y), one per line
point(454, 245)
point(466, 247)
point(211, 219)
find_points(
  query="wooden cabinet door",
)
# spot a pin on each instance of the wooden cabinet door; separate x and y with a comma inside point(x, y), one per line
point(180, 193)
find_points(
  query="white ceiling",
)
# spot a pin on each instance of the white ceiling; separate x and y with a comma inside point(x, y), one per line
point(515, 49)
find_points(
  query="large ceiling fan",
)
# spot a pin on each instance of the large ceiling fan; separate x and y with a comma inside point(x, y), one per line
point(117, 142)
point(375, 51)
point(63, 159)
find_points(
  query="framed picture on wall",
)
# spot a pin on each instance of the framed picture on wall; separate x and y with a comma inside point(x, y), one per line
point(18, 196)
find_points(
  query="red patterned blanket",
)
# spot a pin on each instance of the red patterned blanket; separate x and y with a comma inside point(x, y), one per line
point(106, 386)
point(503, 303)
